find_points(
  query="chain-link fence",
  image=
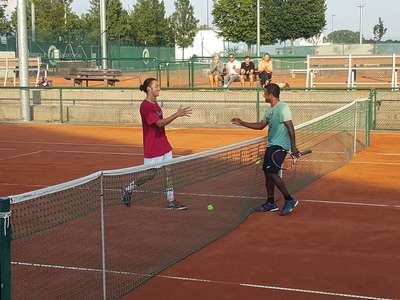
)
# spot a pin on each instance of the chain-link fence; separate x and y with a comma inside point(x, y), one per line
point(387, 109)
point(211, 107)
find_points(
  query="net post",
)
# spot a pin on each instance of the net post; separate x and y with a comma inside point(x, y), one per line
point(5, 248)
point(103, 245)
point(61, 106)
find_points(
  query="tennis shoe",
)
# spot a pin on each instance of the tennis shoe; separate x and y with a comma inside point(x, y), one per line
point(126, 197)
point(176, 205)
point(289, 206)
point(126, 194)
point(267, 206)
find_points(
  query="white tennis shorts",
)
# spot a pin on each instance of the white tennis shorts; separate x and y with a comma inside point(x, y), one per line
point(158, 159)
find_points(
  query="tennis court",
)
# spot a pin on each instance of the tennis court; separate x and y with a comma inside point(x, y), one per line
point(340, 243)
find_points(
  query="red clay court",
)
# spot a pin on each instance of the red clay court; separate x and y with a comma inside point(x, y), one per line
point(341, 243)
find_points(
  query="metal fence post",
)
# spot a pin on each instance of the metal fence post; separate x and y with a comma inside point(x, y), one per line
point(258, 105)
point(61, 106)
point(192, 73)
point(373, 96)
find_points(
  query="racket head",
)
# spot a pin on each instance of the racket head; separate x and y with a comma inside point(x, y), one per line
point(288, 161)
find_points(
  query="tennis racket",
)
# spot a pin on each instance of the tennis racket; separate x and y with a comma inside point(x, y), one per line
point(290, 160)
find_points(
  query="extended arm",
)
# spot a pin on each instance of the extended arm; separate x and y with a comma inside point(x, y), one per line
point(256, 126)
point(181, 112)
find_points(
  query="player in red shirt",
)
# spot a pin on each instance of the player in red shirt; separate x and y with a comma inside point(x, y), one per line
point(157, 149)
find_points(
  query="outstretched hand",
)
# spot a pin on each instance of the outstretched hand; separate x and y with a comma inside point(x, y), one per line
point(236, 121)
point(184, 112)
point(295, 152)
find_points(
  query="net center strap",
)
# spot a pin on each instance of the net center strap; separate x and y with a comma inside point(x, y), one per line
point(6, 216)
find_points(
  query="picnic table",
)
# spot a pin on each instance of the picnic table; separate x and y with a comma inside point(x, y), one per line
point(80, 75)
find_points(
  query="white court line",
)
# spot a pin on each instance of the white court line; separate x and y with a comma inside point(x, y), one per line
point(21, 155)
point(200, 280)
point(91, 145)
point(388, 154)
point(303, 200)
point(18, 184)
point(95, 152)
point(67, 144)
point(375, 163)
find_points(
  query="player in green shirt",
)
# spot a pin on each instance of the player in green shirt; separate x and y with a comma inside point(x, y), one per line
point(281, 139)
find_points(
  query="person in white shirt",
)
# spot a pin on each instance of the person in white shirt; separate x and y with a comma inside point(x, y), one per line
point(232, 70)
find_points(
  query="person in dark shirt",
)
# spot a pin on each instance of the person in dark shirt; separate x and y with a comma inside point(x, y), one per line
point(247, 69)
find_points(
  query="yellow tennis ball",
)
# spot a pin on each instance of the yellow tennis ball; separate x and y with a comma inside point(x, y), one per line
point(258, 162)
point(210, 207)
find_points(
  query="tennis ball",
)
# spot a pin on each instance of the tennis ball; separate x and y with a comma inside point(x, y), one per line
point(258, 161)
point(210, 207)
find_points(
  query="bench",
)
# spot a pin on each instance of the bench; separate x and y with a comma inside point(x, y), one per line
point(11, 68)
point(108, 76)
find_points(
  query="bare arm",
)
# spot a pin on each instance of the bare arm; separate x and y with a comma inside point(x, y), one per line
point(256, 126)
point(181, 112)
point(292, 135)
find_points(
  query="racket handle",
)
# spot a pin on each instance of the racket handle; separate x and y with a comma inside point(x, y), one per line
point(305, 152)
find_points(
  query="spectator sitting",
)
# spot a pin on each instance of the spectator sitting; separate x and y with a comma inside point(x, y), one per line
point(247, 71)
point(265, 70)
point(216, 71)
point(43, 82)
point(232, 70)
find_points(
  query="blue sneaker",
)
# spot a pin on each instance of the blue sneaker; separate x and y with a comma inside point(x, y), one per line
point(267, 206)
point(289, 207)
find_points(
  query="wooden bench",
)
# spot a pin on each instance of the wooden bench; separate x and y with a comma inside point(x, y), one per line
point(11, 67)
point(109, 76)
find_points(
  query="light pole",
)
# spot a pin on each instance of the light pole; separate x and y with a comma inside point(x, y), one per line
point(332, 22)
point(258, 28)
point(208, 20)
point(103, 33)
point(361, 7)
point(33, 20)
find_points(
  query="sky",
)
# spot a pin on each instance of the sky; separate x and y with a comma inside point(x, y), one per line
point(346, 13)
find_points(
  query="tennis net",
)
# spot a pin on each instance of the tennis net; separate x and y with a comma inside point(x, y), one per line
point(84, 239)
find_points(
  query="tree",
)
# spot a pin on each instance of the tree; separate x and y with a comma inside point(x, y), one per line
point(5, 24)
point(237, 21)
point(149, 24)
point(184, 24)
point(116, 19)
point(344, 37)
point(296, 19)
point(279, 20)
point(55, 20)
point(379, 31)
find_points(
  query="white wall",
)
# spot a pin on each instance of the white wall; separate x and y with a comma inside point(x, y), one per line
point(206, 43)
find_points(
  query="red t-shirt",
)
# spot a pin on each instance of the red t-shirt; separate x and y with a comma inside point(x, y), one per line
point(155, 140)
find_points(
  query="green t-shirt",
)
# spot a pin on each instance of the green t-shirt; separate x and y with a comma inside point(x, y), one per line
point(278, 134)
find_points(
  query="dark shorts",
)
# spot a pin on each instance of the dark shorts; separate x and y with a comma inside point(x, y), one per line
point(265, 78)
point(269, 166)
